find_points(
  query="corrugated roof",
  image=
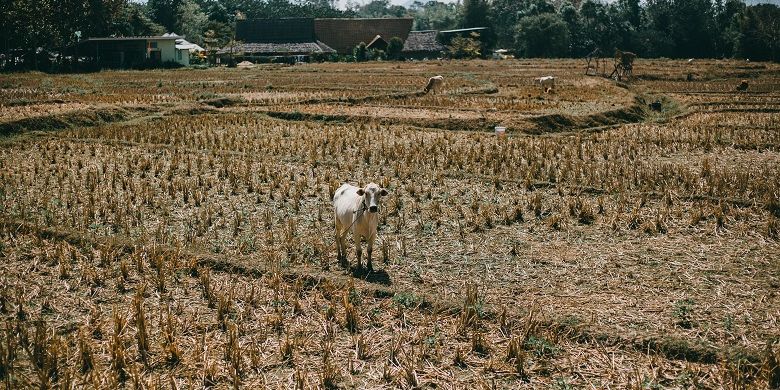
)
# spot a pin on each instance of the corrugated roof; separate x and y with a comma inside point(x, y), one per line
point(344, 34)
point(460, 30)
point(182, 44)
point(279, 48)
point(423, 41)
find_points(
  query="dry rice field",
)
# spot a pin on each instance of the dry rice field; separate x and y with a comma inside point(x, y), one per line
point(173, 229)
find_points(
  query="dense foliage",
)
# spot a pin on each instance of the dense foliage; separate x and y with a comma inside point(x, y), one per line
point(36, 31)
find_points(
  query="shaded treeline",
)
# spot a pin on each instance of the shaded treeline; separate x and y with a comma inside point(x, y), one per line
point(35, 33)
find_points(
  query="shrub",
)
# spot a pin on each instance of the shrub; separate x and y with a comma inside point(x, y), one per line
point(462, 47)
point(360, 52)
point(394, 48)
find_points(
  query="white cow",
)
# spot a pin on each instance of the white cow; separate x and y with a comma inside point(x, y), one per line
point(356, 210)
point(435, 83)
point(546, 82)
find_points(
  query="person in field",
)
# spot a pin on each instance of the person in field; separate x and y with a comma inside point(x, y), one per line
point(357, 210)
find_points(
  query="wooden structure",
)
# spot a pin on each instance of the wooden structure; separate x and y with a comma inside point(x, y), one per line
point(624, 64)
point(596, 63)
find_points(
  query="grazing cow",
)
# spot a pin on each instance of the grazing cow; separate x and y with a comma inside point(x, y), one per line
point(435, 83)
point(743, 86)
point(356, 210)
point(546, 82)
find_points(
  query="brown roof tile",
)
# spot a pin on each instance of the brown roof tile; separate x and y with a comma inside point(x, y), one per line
point(279, 48)
point(423, 41)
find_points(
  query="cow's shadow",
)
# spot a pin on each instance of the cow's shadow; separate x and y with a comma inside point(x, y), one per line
point(378, 276)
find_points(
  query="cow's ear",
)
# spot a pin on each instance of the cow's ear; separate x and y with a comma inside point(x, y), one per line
point(383, 192)
point(361, 192)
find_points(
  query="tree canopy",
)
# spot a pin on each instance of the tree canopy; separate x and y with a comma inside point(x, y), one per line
point(567, 28)
point(545, 35)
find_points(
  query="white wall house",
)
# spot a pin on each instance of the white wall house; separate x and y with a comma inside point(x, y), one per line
point(126, 52)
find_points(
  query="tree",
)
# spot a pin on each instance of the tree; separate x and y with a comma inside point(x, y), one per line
point(680, 28)
point(626, 16)
point(164, 12)
point(34, 29)
point(465, 47)
point(474, 13)
point(323, 9)
point(657, 31)
point(631, 12)
point(217, 11)
point(577, 42)
point(135, 21)
point(102, 17)
point(289, 9)
point(434, 15)
point(543, 35)
point(360, 52)
point(727, 21)
point(693, 28)
point(597, 27)
point(217, 33)
point(380, 9)
point(394, 48)
point(760, 33)
point(505, 14)
point(191, 21)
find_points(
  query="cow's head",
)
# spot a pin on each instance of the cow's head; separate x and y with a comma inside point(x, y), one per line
point(373, 194)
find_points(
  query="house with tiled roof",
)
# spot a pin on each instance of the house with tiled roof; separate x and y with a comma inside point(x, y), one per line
point(302, 37)
point(308, 36)
point(280, 37)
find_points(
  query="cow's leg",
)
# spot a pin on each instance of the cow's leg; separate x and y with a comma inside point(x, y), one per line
point(370, 250)
point(344, 260)
point(358, 249)
point(339, 246)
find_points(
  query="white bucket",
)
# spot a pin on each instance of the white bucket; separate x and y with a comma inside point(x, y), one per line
point(500, 131)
